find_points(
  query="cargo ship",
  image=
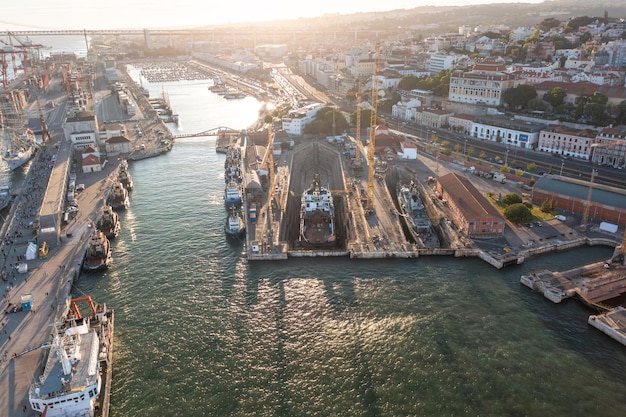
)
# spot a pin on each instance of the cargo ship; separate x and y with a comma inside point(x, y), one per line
point(76, 378)
point(317, 216)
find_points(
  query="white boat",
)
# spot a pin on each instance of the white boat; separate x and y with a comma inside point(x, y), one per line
point(235, 226)
point(317, 216)
point(20, 148)
point(76, 379)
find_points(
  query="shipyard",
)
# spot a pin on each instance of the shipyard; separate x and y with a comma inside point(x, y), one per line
point(378, 188)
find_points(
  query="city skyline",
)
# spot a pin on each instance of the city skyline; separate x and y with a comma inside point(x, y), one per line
point(117, 14)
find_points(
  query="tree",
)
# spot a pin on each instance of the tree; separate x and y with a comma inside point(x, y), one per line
point(327, 120)
point(511, 198)
point(531, 166)
point(518, 97)
point(366, 116)
point(518, 213)
point(408, 82)
point(549, 23)
point(555, 97)
point(548, 205)
point(537, 104)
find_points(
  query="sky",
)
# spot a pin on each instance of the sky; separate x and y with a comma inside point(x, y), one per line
point(153, 14)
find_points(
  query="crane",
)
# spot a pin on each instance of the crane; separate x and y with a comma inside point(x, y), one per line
point(587, 203)
point(370, 152)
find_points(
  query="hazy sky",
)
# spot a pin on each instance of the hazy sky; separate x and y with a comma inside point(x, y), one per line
point(139, 14)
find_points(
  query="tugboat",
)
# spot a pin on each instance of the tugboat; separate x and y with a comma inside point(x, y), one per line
point(232, 195)
point(98, 256)
point(124, 177)
point(76, 379)
point(317, 217)
point(235, 226)
point(118, 200)
point(109, 222)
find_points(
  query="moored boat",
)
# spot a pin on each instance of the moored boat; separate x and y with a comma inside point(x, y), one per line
point(118, 199)
point(98, 255)
point(109, 222)
point(76, 379)
point(235, 226)
point(20, 149)
point(232, 194)
point(317, 216)
point(124, 177)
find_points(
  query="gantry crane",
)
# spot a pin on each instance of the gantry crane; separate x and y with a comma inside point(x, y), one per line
point(371, 169)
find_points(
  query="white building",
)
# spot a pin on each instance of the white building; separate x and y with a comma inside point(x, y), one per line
point(81, 129)
point(439, 62)
point(518, 133)
point(295, 122)
point(566, 141)
point(483, 85)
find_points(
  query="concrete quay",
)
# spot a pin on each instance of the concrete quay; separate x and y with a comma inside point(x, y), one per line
point(49, 280)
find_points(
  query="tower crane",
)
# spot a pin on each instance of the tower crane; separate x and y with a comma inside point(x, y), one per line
point(370, 152)
point(587, 203)
point(359, 145)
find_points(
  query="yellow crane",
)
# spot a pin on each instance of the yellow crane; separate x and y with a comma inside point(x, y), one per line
point(372, 138)
point(587, 202)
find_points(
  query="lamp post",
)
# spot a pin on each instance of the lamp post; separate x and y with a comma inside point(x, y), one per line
point(561, 173)
point(464, 147)
point(506, 157)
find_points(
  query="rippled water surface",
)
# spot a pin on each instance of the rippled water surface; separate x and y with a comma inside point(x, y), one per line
point(201, 332)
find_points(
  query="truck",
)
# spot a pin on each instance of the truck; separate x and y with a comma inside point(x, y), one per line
point(252, 212)
point(498, 177)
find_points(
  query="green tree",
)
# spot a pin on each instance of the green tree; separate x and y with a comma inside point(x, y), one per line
point(548, 205)
point(511, 198)
point(408, 82)
point(555, 97)
point(328, 120)
point(518, 213)
point(531, 166)
point(537, 104)
point(518, 97)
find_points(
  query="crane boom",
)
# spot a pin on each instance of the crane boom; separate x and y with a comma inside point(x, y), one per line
point(370, 152)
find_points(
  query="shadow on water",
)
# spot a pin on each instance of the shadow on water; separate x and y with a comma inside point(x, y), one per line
point(340, 292)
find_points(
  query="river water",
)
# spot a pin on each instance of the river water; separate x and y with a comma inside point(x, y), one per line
point(202, 332)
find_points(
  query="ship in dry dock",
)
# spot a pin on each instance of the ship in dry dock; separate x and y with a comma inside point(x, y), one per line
point(317, 216)
point(413, 212)
point(76, 379)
